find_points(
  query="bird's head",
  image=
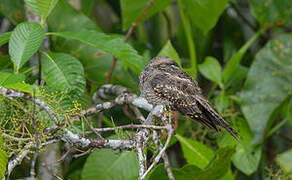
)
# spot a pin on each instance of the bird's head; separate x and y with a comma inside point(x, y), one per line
point(161, 61)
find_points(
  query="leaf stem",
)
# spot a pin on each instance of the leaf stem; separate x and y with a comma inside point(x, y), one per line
point(191, 44)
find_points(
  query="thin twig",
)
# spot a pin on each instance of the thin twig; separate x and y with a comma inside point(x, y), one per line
point(139, 19)
point(108, 78)
point(162, 151)
point(130, 126)
point(35, 128)
point(167, 165)
point(91, 127)
point(129, 33)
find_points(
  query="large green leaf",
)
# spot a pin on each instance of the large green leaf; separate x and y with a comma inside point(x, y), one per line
point(133, 9)
point(268, 83)
point(66, 18)
point(169, 51)
point(4, 38)
point(195, 152)
point(16, 82)
point(219, 166)
point(232, 68)
point(271, 12)
point(285, 160)
point(8, 78)
point(109, 44)
point(25, 40)
point(219, 169)
point(204, 13)
point(106, 164)
point(3, 163)
point(13, 10)
point(42, 7)
point(96, 63)
point(33, 5)
point(247, 156)
point(212, 70)
point(64, 72)
point(45, 7)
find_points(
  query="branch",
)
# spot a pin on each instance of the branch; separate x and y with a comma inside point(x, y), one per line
point(130, 126)
point(139, 19)
point(18, 159)
point(76, 140)
point(14, 93)
point(141, 138)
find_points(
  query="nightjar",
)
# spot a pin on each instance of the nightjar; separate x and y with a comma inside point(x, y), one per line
point(163, 82)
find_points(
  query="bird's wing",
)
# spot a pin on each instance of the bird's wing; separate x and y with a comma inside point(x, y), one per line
point(184, 95)
point(180, 92)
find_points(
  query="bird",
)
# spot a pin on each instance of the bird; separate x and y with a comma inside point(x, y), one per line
point(163, 82)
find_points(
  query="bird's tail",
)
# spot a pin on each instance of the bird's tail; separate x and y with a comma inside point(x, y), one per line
point(213, 118)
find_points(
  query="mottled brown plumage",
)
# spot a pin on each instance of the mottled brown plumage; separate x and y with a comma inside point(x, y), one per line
point(163, 82)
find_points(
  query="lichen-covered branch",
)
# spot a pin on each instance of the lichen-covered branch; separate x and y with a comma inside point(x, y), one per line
point(120, 95)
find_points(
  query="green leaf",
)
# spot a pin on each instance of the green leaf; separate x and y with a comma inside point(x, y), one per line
point(42, 7)
point(16, 82)
point(63, 72)
point(33, 5)
point(45, 7)
point(285, 160)
point(195, 152)
point(109, 44)
point(8, 78)
point(3, 163)
point(64, 17)
point(107, 164)
point(4, 38)
point(268, 84)
point(271, 12)
point(232, 65)
point(23, 87)
point(25, 40)
point(169, 51)
point(219, 166)
point(212, 70)
point(247, 158)
point(204, 14)
point(133, 9)
point(13, 10)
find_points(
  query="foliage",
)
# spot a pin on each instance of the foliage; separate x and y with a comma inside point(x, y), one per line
point(238, 51)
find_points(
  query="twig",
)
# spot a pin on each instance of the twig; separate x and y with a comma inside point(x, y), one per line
point(32, 168)
point(15, 138)
point(91, 127)
point(5, 24)
point(139, 19)
point(129, 33)
point(126, 111)
point(14, 93)
point(16, 160)
point(76, 140)
point(108, 78)
point(162, 151)
point(83, 153)
point(167, 166)
point(138, 113)
point(131, 126)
